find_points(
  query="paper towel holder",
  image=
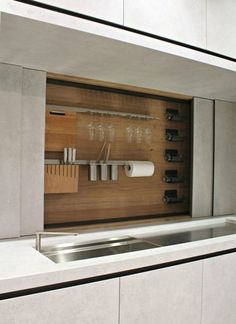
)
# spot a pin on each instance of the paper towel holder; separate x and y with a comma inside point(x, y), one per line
point(139, 168)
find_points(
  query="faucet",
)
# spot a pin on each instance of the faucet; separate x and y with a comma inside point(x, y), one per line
point(39, 235)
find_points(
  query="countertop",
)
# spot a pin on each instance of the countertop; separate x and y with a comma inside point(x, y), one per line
point(22, 267)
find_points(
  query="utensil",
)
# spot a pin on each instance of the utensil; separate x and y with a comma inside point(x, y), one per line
point(93, 174)
point(114, 172)
point(104, 171)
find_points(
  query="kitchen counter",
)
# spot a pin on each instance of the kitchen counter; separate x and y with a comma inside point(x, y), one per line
point(22, 267)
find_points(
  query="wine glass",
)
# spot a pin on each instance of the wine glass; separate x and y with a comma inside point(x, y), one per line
point(111, 133)
point(92, 129)
point(147, 135)
point(130, 134)
point(138, 135)
point(101, 132)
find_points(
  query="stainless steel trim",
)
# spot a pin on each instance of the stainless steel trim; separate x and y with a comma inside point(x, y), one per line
point(38, 242)
point(114, 172)
point(87, 162)
point(101, 112)
point(87, 250)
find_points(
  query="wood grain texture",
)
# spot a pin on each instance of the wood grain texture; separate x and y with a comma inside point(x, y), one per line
point(120, 224)
point(117, 86)
point(60, 131)
point(61, 179)
point(128, 196)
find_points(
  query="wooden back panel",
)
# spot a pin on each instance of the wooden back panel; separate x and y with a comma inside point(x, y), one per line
point(126, 197)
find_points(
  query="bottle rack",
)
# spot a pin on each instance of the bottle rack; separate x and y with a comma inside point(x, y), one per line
point(173, 156)
point(173, 115)
point(171, 176)
point(173, 135)
point(171, 197)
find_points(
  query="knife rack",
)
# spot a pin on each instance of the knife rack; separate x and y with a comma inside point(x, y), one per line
point(61, 178)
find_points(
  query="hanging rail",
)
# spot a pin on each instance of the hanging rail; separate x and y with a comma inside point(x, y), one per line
point(59, 110)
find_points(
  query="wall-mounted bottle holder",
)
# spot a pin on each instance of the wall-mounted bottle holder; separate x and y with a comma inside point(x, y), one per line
point(171, 197)
point(173, 115)
point(172, 135)
point(173, 156)
point(171, 176)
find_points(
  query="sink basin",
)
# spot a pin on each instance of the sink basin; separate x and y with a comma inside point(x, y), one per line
point(73, 252)
point(191, 234)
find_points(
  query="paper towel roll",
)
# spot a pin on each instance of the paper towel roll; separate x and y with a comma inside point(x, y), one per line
point(139, 169)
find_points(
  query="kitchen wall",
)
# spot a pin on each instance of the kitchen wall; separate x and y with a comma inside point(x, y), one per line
point(209, 24)
point(126, 197)
point(22, 90)
point(22, 106)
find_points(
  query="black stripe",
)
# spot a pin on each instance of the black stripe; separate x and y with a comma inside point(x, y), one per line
point(213, 158)
point(68, 284)
point(191, 155)
point(132, 30)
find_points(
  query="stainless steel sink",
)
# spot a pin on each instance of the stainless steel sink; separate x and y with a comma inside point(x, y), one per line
point(191, 234)
point(73, 252)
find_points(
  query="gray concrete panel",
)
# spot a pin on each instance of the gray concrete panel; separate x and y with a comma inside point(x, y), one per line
point(32, 158)
point(202, 177)
point(10, 149)
point(225, 158)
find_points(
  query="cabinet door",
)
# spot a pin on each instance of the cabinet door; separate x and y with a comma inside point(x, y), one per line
point(181, 20)
point(111, 10)
point(86, 304)
point(219, 290)
point(221, 27)
point(165, 296)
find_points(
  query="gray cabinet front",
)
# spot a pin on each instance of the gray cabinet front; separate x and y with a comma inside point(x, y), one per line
point(219, 290)
point(164, 296)
point(95, 303)
point(225, 158)
point(182, 20)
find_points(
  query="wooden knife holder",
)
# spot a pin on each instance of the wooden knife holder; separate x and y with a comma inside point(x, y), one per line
point(61, 178)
